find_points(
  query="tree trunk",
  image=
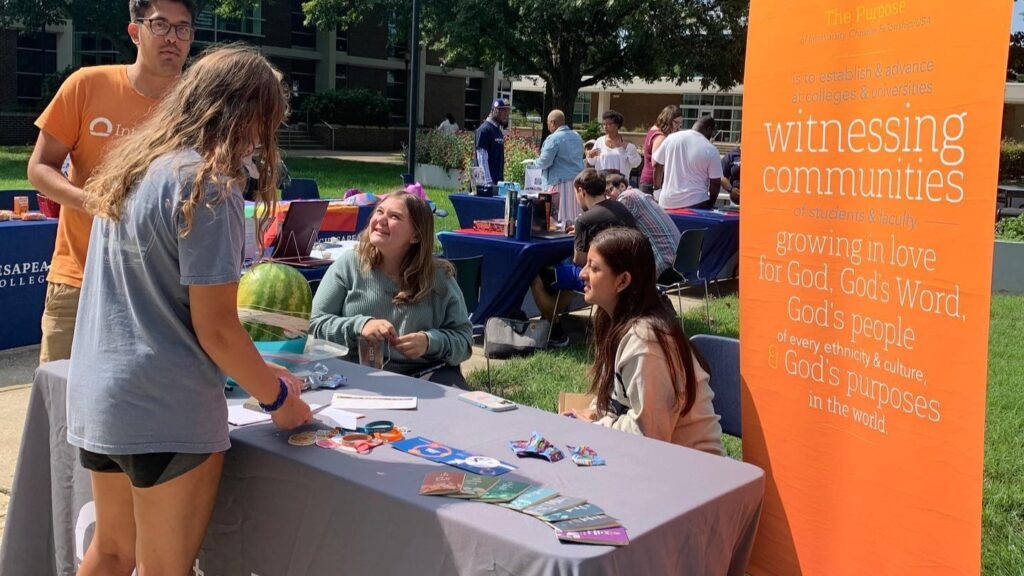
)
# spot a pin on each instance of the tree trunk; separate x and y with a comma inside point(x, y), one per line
point(545, 108)
point(564, 98)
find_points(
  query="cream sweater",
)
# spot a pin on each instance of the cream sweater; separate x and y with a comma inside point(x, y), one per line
point(644, 387)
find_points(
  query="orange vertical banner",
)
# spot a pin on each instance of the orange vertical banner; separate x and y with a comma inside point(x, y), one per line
point(870, 159)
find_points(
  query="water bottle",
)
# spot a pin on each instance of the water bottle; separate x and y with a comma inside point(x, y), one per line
point(510, 215)
point(524, 219)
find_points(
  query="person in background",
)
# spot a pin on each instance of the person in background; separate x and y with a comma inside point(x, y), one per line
point(94, 108)
point(651, 219)
point(611, 152)
point(490, 142)
point(449, 125)
point(669, 120)
point(561, 159)
point(158, 329)
point(392, 290)
point(647, 380)
point(599, 213)
point(692, 167)
point(731, 174)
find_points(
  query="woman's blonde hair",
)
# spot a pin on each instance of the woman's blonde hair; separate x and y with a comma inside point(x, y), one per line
point(226, 102)
point(419, 265)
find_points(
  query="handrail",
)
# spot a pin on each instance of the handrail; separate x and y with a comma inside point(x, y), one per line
point(288, 132)
point(332, 128)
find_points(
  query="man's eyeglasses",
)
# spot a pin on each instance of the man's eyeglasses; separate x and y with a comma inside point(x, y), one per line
point(159, 27)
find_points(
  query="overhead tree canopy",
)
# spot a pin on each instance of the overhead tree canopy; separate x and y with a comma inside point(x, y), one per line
point(1015, 66)
point(572, 44)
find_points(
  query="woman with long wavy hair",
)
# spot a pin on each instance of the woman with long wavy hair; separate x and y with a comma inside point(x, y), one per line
point(647, 380)
point(391, 291)
point(158, 328)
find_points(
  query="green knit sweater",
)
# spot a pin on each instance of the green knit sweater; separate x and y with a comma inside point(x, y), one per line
point(347, 298)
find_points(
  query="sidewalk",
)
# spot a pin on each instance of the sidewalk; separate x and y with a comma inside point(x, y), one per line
point(376, 157)
point(17, 367)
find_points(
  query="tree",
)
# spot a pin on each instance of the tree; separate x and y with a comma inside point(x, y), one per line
point(32, 14)
point(1015, 66)
point(573, 44)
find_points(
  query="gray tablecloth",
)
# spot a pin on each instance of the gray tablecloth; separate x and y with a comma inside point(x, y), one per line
point(285, 510)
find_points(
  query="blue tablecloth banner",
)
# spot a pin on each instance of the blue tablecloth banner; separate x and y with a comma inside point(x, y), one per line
point(25, 252)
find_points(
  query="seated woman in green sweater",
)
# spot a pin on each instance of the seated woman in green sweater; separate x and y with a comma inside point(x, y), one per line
point(392, 290)
point(641, 383)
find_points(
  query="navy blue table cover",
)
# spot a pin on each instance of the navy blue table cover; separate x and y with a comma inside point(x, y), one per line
point(469, 208)
point(25, 252)
point(509, 266)
point(721, 241)
point(7, 199)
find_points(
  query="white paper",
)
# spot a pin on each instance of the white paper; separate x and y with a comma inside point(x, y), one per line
point(239, 415)
point(356, 402)
point(334, 250)
point(340, 418)
point(533, 180)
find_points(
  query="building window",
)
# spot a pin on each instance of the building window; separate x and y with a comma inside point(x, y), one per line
point(340, 76)
point(36, 59)
point(211, 28)
point(397, 96)
point(472, 112)
point(397, 42)
point(581, 108)
point(727, 110)
point(93, 50)
point(304, 72)
point(302, 36)
point(341, 42)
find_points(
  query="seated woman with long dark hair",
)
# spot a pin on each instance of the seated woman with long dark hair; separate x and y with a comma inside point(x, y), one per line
point(647, 379)
point(391, 290)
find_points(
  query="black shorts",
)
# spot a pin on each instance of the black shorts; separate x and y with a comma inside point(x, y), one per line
point(143, 470)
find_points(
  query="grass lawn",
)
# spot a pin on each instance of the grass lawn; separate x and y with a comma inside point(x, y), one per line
point(536, 380)
point(334, 178)
point(13, 162)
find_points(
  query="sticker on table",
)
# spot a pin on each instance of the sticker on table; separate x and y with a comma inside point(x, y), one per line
point(426, 448)
point(303, 438)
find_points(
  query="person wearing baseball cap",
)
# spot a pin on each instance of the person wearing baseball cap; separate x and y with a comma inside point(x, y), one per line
point(490, 142)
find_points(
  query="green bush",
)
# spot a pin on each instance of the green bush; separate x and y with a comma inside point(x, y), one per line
point(591, 130)
point(458, 151)
point(1011, 160)
point(517, 149)
point(443, 149)
point(348, 107)
point(517, 119)
point(52, 83)
point(1011, 229)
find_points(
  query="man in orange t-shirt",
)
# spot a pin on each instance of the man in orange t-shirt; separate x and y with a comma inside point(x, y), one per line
point(94, 107)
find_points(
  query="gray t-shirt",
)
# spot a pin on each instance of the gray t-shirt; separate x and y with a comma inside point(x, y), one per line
point(139, 381)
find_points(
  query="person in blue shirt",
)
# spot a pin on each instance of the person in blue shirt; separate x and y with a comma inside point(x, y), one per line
point(490, 142)
point(561, 159)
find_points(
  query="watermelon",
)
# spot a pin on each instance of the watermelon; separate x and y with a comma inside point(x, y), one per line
point(270, 289)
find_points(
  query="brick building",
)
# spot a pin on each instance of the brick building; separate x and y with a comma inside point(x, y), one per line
point(372, 54)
